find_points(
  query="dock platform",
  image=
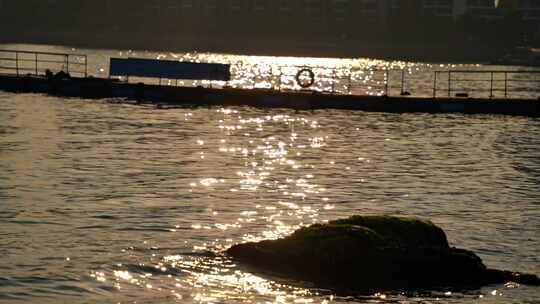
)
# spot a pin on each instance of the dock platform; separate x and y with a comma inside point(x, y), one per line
point(84, 86)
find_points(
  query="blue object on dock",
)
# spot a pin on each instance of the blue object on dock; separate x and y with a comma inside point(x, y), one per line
point(169, 69)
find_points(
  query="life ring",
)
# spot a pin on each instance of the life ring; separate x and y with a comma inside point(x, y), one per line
point(311, 76)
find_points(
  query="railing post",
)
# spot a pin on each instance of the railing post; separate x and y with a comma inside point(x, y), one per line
point(67, 64)
point(349, 84)
point(449, 84)
point(272, 77)
point(17, 63)
point(402, 82)
point(435, 84)
point(280, 76)
point(386, 82)
point(505, 84)
point(36, 57)
point(85, 66)
point(334, 76)
point(491, 86)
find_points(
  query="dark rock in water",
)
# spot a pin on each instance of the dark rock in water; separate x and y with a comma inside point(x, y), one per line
point(373, 253)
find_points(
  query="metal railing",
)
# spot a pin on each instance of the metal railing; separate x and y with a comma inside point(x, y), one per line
point(494, 84)
point(335, 81)
point(394, 82)
point(454, 83)
point(339, 80)
point(37, 63)
point(409, 81)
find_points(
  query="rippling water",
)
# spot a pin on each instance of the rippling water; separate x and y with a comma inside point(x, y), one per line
point(115, 203)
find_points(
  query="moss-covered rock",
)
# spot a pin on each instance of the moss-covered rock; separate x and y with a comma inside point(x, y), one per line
point(370, 253)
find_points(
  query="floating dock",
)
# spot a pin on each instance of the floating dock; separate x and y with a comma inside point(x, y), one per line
point(83, 86)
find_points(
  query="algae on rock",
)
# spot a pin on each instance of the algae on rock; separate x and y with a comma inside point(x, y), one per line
point(370, 253)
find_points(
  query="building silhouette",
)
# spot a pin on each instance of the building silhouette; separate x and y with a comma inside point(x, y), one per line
point(265, 26)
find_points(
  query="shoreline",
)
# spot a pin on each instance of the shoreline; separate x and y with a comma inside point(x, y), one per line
point(432, 53)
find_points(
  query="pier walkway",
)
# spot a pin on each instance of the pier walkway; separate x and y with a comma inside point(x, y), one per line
point(299, 87)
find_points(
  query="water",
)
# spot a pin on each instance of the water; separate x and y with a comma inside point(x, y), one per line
point(116, 203)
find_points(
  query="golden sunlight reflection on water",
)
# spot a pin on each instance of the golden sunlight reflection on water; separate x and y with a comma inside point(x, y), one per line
point(214, 278)
point(270, 162)
point(143, 201)
point(209, 281)
point(274, 162)
point(262, 154)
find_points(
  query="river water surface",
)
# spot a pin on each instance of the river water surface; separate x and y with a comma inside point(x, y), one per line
point(104, 202)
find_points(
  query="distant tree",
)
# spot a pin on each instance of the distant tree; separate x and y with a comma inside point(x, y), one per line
point(406, 24)
point(512, 29)
point(508, 4)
